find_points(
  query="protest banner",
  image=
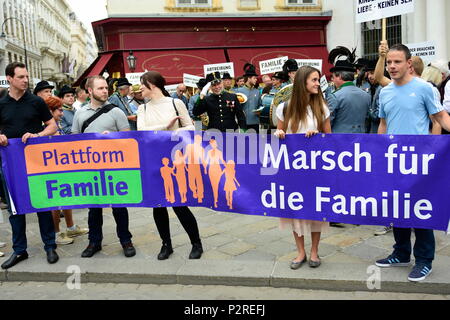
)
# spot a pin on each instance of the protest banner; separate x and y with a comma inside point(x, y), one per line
point(221, 67)
point(134, 78)
point(424, 50)
point(316, 63)
point(368, 10)
point(190, 80)
point(272, 65)
point(358, 179)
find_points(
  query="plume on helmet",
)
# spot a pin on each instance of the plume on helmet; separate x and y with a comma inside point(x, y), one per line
point(339, 52)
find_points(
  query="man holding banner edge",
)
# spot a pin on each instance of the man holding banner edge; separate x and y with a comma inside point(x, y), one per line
point(405, 106)
point(26, 124)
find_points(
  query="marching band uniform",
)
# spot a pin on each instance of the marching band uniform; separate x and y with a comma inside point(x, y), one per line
point(223, 109)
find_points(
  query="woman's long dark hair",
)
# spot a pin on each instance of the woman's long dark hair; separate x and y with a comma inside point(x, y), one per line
point(156, 79)
point(297, 107)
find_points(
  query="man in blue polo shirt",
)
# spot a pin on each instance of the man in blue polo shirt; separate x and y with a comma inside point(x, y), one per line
point(21, 116)
point(405, 107)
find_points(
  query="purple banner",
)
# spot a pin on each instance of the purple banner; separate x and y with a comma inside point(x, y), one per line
point(349, 178)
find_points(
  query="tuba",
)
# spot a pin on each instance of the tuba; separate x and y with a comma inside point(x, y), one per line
point(241, 97)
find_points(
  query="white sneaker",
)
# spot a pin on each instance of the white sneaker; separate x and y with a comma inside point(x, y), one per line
point(2, 244)
point(382, 231)
point(62, 238)
point(1, 254)
point(77, 232)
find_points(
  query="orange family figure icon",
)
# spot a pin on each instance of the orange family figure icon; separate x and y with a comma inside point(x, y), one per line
point(230, 179)
point(195, 155)
point(180, 166)
point(166, 174)
point(214, 159)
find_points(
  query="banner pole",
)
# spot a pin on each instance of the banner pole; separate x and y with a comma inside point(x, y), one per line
point(383, 29)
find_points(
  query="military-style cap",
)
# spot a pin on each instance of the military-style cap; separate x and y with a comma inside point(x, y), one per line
point(214, 77)
point(343, 65)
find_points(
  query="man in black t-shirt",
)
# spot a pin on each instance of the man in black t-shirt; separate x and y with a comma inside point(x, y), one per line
point(21, 116)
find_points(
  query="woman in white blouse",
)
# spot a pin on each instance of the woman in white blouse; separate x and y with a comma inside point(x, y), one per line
point(165, 113)
point(305, 113)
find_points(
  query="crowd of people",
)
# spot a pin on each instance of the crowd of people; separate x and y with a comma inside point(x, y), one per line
point(363, 97)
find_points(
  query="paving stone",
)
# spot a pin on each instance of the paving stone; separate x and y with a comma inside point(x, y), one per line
point(236, 248)
point(255, 255)
point(341, 240)
point(217, 240)
point(366, 252)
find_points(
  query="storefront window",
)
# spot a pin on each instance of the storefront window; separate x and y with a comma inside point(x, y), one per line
point(193, 3)
point(301, 2)
point(371, 35)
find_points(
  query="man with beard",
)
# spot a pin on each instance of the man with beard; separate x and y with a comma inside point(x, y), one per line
point(223, 108)
point(109, 118)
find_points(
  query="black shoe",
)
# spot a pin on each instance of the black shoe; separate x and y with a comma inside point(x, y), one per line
point(52, 256)
point(196, 251)
point(337, 225)
point(128, 249)
point(14, 259)
point(166, 251)
point(91, 250)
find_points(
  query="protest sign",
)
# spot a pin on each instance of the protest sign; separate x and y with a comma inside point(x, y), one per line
point(316, 63)
point(190, 80)
point(323, 83)
point(134, 78)
point(171, 88)
point(368, 10)
point(221, 67)
point(272, 65)
point(3, 82)
point(322, 178)
point(424, 50)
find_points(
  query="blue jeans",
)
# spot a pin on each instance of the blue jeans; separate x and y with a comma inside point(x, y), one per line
point(95, 222)
point(424, 246)
point(19, 237)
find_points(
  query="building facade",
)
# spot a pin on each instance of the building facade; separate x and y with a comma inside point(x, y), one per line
point(176, 36)
point(20, 35)
point(57, 45)
point(54, 38)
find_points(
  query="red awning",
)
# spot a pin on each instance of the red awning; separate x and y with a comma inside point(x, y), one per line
point(255, 55)
point(172, 64)
point(101, 64)
point(96, 68)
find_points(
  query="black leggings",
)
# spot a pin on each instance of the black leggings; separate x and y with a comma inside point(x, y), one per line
point(186, 218)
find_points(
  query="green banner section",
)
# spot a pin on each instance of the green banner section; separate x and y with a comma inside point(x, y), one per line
point(85, 187)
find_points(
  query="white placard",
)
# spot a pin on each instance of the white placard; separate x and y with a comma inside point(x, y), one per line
point(424, 50)
point(190, 80)
point(272, 65)
point(221, 67)
point(3, 82)
point(323, 83)
point(368, 10)
point(316, 63)
point(134, 78)
point(172, 88)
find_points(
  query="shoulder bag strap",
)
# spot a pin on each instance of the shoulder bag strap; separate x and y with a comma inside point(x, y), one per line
point(176, 111)
point(103, 110)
